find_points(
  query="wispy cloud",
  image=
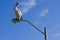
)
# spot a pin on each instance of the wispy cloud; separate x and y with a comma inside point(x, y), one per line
point(54, 32)
point(27, 5)
point(44, 12)
point(56, 35)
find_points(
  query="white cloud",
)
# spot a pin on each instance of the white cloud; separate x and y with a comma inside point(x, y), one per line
point(54, 32)
point(28, 5)
point(38, 20)
point(44, 12)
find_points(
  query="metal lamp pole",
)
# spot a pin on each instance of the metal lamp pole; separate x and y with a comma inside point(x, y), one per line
point(44, 33)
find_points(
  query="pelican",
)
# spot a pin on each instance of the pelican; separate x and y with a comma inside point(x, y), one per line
point(18, 14)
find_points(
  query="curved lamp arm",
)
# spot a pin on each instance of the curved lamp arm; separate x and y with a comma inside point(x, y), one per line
point(33, 26)
point(44, 33)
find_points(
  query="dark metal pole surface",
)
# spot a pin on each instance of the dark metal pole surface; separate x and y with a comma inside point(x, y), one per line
point(33, 26)
point(45, 33)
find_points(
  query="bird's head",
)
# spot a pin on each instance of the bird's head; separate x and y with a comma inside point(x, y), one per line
point(17, 3)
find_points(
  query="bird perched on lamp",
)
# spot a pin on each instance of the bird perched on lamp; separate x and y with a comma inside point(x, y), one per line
point(18, 14)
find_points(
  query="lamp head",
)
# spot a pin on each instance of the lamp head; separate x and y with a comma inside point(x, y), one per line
point(14, 20)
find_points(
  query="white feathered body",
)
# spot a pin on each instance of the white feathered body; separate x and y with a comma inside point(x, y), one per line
point(18, 13)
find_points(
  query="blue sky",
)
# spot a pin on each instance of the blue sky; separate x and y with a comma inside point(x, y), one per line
point(40, 12)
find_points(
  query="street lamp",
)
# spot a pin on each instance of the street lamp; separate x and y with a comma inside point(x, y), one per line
point(19, 19)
